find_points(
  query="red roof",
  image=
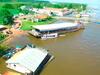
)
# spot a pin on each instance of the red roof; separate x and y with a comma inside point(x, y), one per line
point(43, 16)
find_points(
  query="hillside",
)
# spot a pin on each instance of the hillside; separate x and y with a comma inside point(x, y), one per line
point(22, 1)
point(16, 0)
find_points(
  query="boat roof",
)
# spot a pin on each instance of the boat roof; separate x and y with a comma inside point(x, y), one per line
point(54, 26)
point(30, 58)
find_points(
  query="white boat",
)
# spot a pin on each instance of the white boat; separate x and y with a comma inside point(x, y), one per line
point(47, 36)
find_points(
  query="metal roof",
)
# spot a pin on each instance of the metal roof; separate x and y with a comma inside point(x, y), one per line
point(30, 58)
point(54, 26)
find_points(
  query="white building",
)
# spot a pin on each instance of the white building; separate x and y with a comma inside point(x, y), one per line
point(29, 61)
point(55, 11)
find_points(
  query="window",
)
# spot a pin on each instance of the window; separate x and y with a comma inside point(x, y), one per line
point(14, 65)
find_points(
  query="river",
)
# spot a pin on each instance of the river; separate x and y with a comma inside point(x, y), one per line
point(76, 53)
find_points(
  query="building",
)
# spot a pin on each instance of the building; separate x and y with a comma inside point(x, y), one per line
point(40, 17)
point(55, 11)
point(29, 61)
point(54, 30)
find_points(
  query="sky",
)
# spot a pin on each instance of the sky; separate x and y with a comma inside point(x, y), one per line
point(94, 3)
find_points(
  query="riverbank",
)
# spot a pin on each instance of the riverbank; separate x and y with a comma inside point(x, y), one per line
point(15, 36)
point(4, 70)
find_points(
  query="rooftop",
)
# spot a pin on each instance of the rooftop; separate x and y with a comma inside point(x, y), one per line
point(54, 26)
point(55, 9)
point(41, 16)
point(30, 58)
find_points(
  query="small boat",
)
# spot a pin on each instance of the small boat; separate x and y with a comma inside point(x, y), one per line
point(47, 36)
point(62, 35)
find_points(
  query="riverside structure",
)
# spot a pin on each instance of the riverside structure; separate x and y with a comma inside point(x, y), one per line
point(54, 30)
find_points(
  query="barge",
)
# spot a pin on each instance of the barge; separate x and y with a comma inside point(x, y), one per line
point(54, 30)
point(30, 60)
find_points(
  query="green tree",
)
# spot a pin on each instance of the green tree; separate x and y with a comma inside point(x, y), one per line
point(8, 6)
point(3, 49)
point(25, 11)
point(2, 36)
point(6, 16)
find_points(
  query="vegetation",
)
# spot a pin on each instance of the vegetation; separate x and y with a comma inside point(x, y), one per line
point(8, 8)
point(17, 0)
point(3, 49)
point(25, 11)
point(6, 16)
point(42, 4)
point(27, 25)
point(2, 36)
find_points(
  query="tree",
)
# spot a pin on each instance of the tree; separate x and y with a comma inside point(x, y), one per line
point(2, 36)
point(6, 16)
point(8, 6)
point(25, 11)
point(3, 49)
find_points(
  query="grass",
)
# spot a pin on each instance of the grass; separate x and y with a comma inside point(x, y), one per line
point(27, 25)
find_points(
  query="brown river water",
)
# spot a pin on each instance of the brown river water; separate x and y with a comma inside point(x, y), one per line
point(76, 53)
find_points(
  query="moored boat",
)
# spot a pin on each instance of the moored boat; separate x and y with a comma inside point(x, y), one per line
point(54, 30)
